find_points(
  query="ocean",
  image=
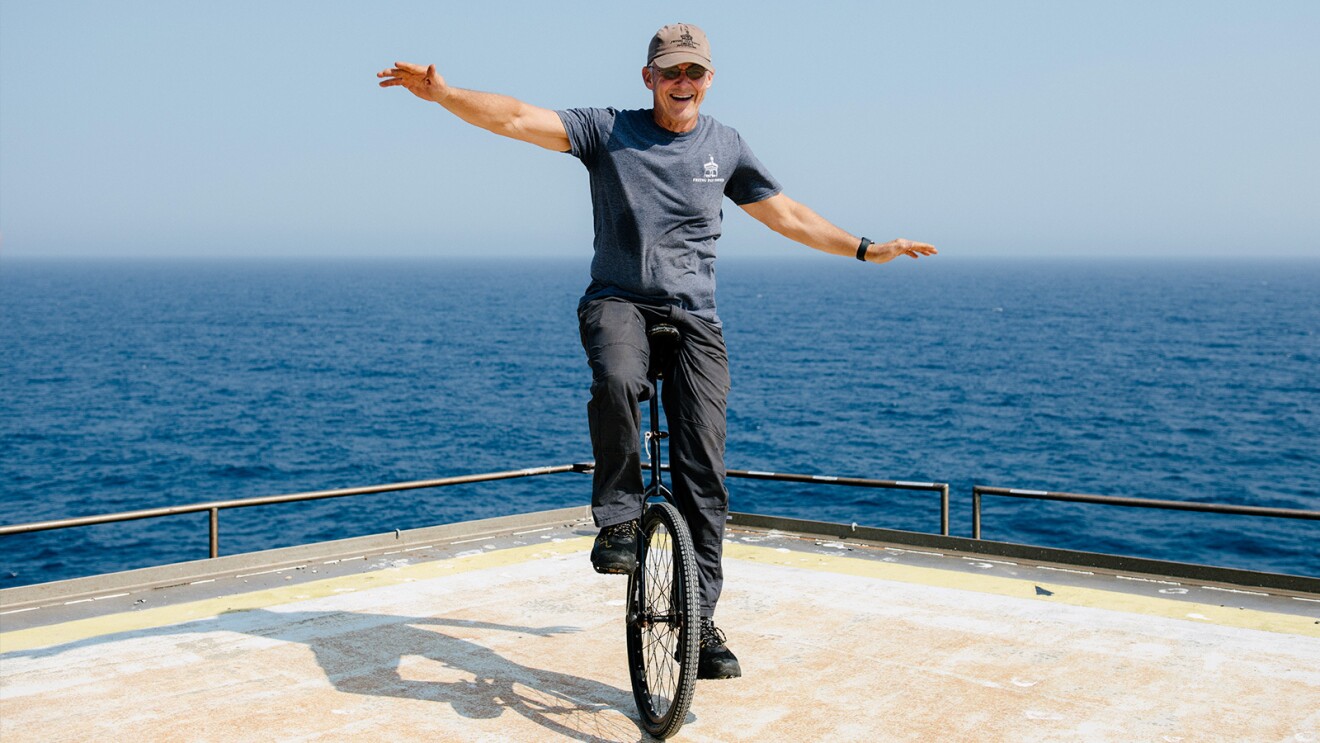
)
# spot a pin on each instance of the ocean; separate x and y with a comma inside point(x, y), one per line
point(138, 384)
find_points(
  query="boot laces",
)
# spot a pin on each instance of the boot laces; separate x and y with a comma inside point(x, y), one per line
point(711, 636)
point(626, 529)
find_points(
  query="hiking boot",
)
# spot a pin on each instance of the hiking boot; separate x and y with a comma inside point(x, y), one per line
point(716, 660)
point(615, 551)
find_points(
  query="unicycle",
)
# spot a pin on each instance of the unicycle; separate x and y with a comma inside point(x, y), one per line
point(664, 604)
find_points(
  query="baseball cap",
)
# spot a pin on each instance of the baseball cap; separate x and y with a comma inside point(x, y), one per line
point(678, 43)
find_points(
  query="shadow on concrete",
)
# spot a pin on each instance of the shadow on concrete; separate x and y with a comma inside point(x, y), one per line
point(414, 658)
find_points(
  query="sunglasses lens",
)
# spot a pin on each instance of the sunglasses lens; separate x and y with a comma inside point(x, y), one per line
point(672, 73)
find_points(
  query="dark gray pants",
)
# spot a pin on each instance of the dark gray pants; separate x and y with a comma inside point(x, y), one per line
point(694, 394)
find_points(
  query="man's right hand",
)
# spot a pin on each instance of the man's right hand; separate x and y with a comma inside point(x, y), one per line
point(508, 117)
point(421, 82)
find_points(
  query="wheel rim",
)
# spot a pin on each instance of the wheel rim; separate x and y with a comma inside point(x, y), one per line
point(662, 596)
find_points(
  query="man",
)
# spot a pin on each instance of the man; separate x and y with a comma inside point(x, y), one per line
point(658, 180)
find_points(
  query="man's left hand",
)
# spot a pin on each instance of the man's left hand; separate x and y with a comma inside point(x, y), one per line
point(885, 252)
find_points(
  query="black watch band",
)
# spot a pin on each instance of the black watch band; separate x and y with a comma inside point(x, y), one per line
point(861, 249)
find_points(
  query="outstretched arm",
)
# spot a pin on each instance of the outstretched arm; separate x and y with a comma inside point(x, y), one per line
point(501, 114)
point(798, 222)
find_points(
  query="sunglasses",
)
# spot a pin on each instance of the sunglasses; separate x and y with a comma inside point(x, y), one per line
point(694, 72)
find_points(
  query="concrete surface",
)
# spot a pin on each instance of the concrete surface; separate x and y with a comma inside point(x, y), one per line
point(525, 643)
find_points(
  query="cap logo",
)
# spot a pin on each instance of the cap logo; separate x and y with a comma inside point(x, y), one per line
point(686, 40)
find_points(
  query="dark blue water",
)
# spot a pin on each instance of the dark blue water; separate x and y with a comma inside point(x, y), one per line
point(133, 385)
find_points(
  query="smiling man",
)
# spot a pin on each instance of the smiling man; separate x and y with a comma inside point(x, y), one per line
point(658, 180)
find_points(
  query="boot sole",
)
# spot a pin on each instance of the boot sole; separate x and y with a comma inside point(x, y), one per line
point(717, 677)
point(614, 569)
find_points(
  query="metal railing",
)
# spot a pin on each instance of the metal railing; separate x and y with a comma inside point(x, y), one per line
point(935, 487)
point(214, 508)
point(1110, 500)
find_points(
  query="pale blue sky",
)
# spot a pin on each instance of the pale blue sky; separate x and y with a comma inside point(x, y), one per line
point(1163, 129)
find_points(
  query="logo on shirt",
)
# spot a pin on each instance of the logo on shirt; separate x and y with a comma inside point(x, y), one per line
point(710, 172)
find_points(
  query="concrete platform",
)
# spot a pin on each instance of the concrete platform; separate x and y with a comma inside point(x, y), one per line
point(514, 638)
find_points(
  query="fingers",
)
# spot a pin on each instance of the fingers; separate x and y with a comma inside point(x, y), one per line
point(393, 78)
point(405, 70)
point(914, 249)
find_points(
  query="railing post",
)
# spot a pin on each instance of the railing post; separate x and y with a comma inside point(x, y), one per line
point(215, 533)
point(944, 509)
point(976, 512)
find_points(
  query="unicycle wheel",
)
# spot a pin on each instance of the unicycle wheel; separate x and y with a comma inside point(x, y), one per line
point(663, 621)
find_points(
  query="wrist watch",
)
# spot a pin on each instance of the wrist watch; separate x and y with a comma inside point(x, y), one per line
point(861, 249)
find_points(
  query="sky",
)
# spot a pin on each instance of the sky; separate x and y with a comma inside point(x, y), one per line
point(1014, 129)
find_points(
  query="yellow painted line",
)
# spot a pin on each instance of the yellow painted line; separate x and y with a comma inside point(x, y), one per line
point(130, 621)
point(144, 619)
point(1024, 588)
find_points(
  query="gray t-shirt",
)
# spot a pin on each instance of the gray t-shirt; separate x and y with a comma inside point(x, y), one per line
point(656, 199)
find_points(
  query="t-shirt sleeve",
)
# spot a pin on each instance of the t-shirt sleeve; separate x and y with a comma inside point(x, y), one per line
point(751, 182)
point(588, 130)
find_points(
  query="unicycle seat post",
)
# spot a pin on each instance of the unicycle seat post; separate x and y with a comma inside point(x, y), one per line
point(664, 340)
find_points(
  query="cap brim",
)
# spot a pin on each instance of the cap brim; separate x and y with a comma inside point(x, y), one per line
point(671, 59)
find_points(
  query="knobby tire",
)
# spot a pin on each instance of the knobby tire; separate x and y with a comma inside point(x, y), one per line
point(663, 618)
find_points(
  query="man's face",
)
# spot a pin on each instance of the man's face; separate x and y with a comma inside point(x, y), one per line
point(677, 101)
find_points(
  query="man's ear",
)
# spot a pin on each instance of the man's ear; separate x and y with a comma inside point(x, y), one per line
point(647, 79)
